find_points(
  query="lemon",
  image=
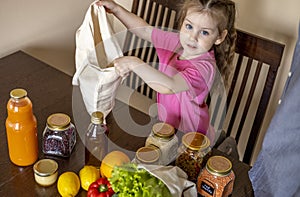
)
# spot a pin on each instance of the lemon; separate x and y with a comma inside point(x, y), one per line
point(110, 160)
point(88, 174)
point(68, 184)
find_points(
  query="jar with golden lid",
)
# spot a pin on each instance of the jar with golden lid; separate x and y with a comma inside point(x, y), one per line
point(59, 136)
point(45, 172)
point(147, 155)
point(191, 153)
point(217, 178)
point(163, 137)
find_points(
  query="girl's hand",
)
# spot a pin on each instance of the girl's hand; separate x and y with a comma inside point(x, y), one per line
point(126, 64)
point(110, 5)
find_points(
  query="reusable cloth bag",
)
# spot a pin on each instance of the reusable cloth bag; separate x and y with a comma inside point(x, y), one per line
point(96, 48)
point(174, 178)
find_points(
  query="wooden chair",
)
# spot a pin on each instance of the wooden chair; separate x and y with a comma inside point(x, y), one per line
point(162, 14)
point(258, 60)
point(256, 66)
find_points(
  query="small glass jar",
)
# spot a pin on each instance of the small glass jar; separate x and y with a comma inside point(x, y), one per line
point(147, 155)
point(45, 172)
point(59, 136)
point(163, 136)
point(191, 153)
point(217, 178)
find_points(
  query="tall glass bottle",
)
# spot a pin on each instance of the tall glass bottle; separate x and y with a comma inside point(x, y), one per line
point(21, 129)
point(96, 141)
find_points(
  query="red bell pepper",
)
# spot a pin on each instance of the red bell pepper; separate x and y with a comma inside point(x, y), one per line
point(100, 188)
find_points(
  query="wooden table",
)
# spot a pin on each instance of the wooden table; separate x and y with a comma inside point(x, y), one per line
point(51, 91)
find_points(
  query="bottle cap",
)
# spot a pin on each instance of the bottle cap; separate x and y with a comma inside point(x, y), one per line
point(195, 141)
point(163, 130)
point(219, 165)
point(18, 93)
point(58, 121)
point(97, 117)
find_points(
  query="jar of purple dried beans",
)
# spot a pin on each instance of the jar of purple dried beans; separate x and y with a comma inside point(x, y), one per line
point(59, 136)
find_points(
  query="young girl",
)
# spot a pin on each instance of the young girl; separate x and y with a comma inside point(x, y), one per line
point(187, 59)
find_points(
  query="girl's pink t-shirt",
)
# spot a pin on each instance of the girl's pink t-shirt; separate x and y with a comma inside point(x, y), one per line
point(187, 110)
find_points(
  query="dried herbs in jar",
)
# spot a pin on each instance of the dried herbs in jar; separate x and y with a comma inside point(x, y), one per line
point(59, 136)
point(191, 152)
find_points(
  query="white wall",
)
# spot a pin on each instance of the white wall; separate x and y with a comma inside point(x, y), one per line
point(46, 30)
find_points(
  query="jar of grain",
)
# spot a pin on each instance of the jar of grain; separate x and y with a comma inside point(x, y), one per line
point(191, 153)
point(217, 178)
point(163, 137)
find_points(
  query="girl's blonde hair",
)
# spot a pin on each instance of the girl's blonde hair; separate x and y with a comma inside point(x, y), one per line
point(224, 12)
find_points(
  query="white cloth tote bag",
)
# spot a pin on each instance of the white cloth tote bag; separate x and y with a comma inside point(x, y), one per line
point(95, 49)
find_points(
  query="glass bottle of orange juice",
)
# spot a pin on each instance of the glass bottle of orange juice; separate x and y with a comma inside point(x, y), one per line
point(21, 129)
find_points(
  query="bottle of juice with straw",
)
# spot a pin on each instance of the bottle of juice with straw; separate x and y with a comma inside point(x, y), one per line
point(21, 129)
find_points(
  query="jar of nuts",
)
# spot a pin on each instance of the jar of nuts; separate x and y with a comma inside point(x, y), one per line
point(217, 178)
point(191, 153)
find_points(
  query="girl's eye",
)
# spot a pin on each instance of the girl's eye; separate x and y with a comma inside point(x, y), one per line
point(205, 33)
point(188, 26)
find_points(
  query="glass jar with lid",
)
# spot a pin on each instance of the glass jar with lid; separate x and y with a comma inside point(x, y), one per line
point(59, 136)
point(147, 155)
point(217, 178)
point(163, 136)
point(191, 153)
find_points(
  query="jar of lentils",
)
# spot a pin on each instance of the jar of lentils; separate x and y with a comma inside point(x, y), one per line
point(59, 136)
point(217, 178)
point(163, 137)
point(191, 153)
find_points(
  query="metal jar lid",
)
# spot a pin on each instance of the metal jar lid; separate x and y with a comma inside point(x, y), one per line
point(18, 93)
point(45, 172)
point(163, 130)
point(148, 154)
point(195, 141)
point(97, 117)
point(45, 167)
point(219, 165)
point(58, 121)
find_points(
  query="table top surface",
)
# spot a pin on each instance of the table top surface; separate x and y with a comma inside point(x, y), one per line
point(51, 91)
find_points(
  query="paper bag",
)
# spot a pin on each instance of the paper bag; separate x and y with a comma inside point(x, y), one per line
point(96, 48)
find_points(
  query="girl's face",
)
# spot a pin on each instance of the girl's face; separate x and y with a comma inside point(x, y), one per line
point(198, 34)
